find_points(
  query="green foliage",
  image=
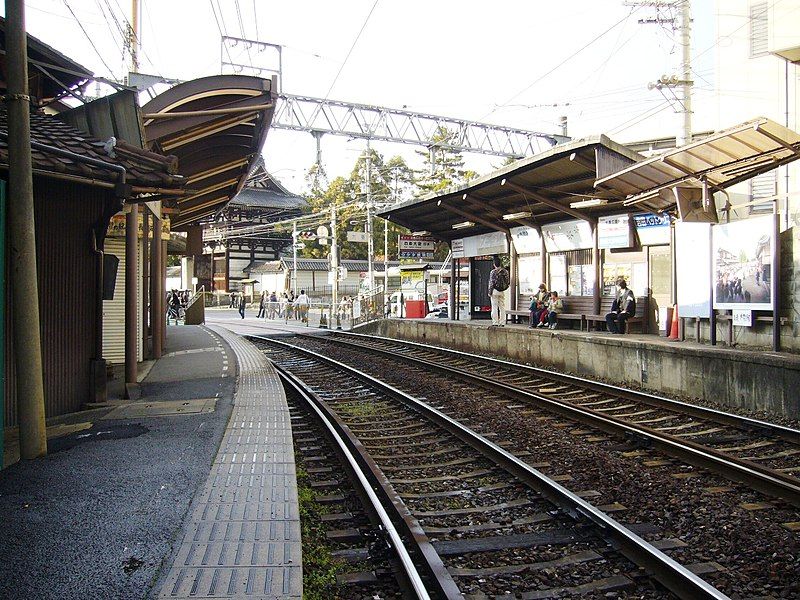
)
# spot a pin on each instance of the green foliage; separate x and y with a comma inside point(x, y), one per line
point(444, 168)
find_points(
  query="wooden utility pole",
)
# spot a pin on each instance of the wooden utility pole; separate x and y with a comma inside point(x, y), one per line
point(22, 233)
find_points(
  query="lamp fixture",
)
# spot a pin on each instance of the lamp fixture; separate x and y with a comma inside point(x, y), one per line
point(463, 225)
point(589, 202)
point(419, 233)
point(517, 215)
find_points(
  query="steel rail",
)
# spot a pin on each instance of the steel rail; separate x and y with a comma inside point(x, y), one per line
point(672, 575)
point(360, 464)
point(758, 477)
point(786, 433)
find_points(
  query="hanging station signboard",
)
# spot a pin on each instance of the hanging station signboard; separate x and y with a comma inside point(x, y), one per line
point(614, 231)
point(652, 229)
point(494, 242)
point(414, 246)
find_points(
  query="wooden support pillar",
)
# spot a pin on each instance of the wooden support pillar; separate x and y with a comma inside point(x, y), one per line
point(131, 335)
point(145, 278)
point(157, 291)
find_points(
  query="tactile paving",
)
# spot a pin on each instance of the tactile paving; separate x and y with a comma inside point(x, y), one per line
point(242, 538)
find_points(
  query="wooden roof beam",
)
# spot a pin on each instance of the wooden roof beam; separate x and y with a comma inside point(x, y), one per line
point(528, 221)
point(471, 217)
point(583, 161)
point(549, 202)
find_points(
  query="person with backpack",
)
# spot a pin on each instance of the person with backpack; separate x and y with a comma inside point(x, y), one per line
point(622, 309)
point(499, 281)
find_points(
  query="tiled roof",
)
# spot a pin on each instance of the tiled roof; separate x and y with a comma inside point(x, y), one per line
point(145, 169)
point(322, 264)
point(266, 198)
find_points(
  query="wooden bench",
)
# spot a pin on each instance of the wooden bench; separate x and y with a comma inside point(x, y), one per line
point(640, 318)
point(575, 307)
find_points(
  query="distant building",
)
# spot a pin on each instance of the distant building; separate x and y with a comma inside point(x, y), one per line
point(230, 240)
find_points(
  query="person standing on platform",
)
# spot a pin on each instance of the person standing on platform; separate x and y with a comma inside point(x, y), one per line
point(554, 306)
point(301, 306)
point(499, 281)
point(623, 308)
point(242, 305)
point(261, 307)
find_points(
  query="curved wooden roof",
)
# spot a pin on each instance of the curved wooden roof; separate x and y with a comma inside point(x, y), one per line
point(216, 126)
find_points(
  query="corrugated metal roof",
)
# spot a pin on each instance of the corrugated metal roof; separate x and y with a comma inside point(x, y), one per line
point(216, 152)
point(543, 186)
point(723, 159)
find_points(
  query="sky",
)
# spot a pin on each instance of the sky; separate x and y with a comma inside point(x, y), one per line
point(522, 63)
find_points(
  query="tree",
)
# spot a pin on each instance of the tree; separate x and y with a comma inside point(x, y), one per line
point(444, 168)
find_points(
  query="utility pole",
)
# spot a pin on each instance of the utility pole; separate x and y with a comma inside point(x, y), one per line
point(22, 233)
point(133, 36)
point(682, 24)
point(370, 242)
point(294, 258)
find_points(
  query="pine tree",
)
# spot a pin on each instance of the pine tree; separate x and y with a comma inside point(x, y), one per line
point(444, 168)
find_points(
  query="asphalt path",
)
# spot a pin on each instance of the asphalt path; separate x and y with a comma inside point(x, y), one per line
point(100, 515)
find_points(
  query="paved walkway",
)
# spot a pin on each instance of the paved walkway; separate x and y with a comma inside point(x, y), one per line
point(97, 517)
point(242, 539)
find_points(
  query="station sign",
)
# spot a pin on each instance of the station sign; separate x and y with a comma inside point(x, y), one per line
point(484, 244)
point(413, 246)
point(742, 317)
point(357, 236)
point(568, 235)
point(614, 232)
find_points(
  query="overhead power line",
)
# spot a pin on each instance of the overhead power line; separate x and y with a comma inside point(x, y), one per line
point(85, 33)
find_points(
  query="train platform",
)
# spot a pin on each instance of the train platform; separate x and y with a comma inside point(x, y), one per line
point(187, 492)
point(759, 381)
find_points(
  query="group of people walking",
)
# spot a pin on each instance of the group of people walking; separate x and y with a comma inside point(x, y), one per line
point(272, 305)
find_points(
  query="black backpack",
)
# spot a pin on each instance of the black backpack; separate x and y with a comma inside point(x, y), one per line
point(502, 281)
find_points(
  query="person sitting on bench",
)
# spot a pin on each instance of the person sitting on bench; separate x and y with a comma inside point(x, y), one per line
point(554, 306)
point(622, 309)
point(538, 307)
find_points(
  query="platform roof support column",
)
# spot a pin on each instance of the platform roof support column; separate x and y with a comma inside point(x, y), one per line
point(455, 273)
point(513, 271)
point(157, 289)
point(775, 275)
point(598, 272)
point(22, 233)
point(131, 335)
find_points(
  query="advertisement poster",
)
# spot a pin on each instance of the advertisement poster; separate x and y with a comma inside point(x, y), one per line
point(742, 264)
point(568, 235)
point(652, 229)
point(530, 274)
point(485, 244)
point(693, 258)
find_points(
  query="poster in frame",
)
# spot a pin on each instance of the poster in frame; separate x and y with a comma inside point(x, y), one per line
point(742, 254)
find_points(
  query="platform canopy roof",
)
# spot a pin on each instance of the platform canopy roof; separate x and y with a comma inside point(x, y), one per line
point(533, 191)
point(216, 126)
point(721, 160)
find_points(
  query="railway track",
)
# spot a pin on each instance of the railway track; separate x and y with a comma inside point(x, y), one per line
point(496, 523)
point(762, 455)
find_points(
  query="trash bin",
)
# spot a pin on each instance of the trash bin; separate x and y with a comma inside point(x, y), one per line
point(415, 309)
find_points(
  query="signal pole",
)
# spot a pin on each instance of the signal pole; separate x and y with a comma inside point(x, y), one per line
point(334, 267)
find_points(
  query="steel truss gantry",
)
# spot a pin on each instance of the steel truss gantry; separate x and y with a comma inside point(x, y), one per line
point(321, 116)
